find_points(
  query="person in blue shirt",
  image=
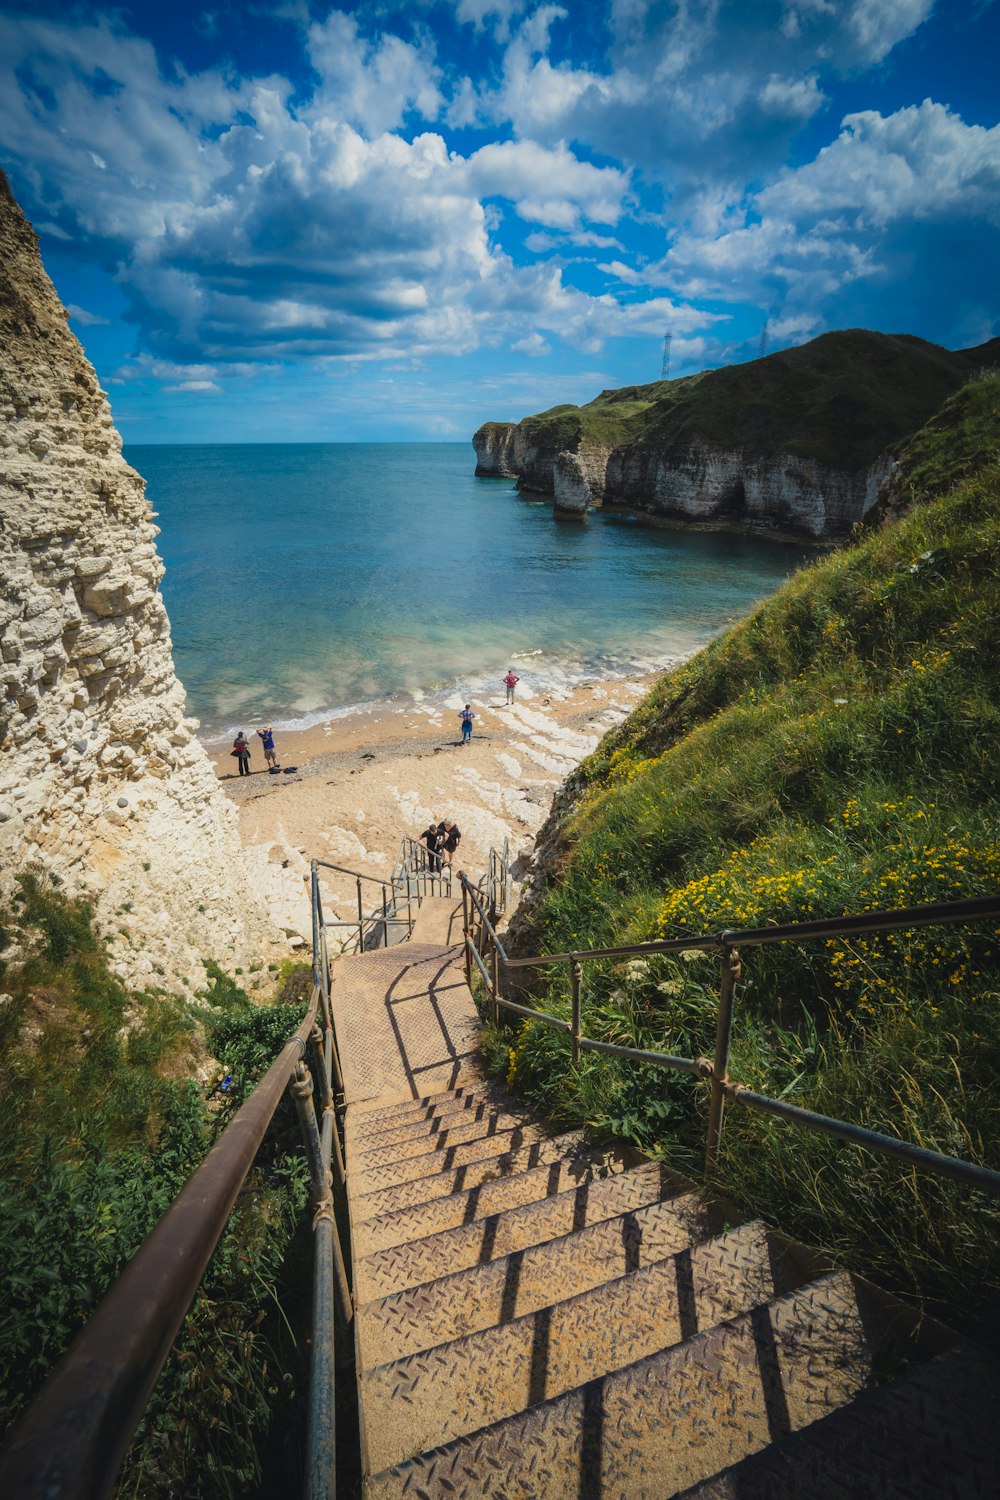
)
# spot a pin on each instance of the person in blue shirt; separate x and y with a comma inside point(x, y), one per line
point(466, 717)
point(270, 754)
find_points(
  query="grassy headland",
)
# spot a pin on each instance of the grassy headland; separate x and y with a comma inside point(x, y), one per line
point(835, 752)
point(841, 400)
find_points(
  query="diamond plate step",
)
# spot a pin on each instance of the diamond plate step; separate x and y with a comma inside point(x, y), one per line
point(491, 1235)
point(374, 1115)
point(369, 1135)
point(667, 1422)
point(930, 1436)
point(528, 1279)
point(435, 1396)
point(493, 1196)
point(470, 1175)
point(368, 1177)
point(425, 1143)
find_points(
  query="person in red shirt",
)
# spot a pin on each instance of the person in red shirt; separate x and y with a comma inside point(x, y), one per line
point(510, 682)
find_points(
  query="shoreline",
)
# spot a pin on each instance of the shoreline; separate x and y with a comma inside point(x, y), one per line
point(351, 787)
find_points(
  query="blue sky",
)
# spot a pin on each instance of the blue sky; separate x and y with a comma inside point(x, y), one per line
point(291, 222)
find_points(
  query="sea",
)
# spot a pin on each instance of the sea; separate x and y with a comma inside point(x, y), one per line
point(306, 580)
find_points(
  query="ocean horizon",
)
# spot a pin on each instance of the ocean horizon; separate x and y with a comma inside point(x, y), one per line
point(305, 580)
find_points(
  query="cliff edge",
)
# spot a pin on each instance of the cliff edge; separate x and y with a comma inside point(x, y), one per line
point(102, 783)
point(801, 441)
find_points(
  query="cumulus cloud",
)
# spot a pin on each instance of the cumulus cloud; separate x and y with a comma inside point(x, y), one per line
point(689, 91)
point(534, 346)
point(243, 224)
point(250, 220)
point(876, 205)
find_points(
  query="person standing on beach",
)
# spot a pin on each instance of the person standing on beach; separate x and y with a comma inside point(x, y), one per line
point(270, 754)
point(510, 682)
point(241, 749)
point(466, 717)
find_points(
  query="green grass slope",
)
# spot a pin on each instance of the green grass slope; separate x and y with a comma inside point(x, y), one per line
point(835, 752)
point(842, 400)
point(99, 1129)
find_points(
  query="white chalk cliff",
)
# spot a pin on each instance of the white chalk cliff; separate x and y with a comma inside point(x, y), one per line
point(102, 782)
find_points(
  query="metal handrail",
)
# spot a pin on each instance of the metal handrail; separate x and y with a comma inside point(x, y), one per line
point(71, 1441)
point(715, 1072)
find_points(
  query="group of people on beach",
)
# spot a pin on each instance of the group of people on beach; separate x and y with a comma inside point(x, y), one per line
point(442, 839)
point(241, 749)
point(466, 717)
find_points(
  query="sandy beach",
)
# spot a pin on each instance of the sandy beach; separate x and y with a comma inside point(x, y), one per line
point(350, 788)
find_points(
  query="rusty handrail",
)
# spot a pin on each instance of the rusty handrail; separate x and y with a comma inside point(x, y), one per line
point(71, 1441)
point(715, 1073)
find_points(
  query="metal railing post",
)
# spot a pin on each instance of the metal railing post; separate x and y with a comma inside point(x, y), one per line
point(361, 920)
point(467, 935)
point(385, 918)
point(314, 893)
point(575, 978)
point(730, 973)
point(495, 968)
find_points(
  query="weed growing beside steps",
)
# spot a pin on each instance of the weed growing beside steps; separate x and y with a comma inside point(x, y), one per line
point(836, 752)
point(99, 1130)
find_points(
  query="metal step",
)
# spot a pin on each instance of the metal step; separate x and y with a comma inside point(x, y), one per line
point(528, 1279)
point(490, 1235)
point(470, 1175)
point(425, 1142)
point(667, 1422)
point(437, 1395)
point(931, 1435)
point(401, 1225)
point(368, 1177)
point(366, 1134)
point(424, 1107)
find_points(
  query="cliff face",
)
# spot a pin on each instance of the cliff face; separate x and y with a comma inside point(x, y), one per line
point(798, 442)
point(102, 782)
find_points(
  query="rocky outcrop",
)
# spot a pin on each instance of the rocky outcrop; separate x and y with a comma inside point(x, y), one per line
point(102, 782)
point(711, 487)
point(579, 479)
point(798, 442)
point(697, 484)
point(496, 450)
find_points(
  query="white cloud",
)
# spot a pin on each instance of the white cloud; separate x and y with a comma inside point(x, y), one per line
point(879, 25)
point(195, 385)
point(534, 346)
point(500, 12)
point(371, 85)
point(871, 206)
point(548, 185)
point(82, 316)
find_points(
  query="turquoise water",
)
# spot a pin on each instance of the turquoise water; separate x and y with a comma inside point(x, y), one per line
point(304, 579)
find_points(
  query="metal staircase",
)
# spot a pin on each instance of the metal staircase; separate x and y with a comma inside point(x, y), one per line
point(536, 1318)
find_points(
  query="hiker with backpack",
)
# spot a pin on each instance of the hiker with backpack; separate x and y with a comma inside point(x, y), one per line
point(241, 749)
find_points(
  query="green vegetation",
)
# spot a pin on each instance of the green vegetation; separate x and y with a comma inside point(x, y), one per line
point(98, 1132)
point(835, 752)
point(842, 400)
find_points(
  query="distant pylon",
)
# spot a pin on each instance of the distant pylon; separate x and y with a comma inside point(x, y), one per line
point(762, 347)
point(668, 339)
